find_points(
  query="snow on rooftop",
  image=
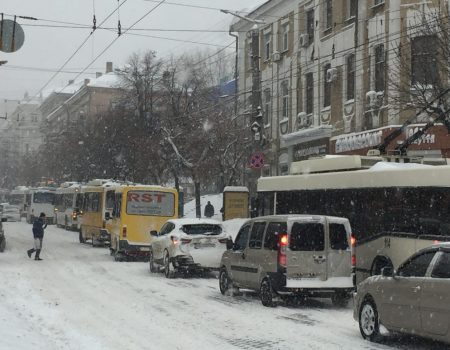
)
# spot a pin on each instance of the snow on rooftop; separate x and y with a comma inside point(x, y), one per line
point(108, 80)
point(235, 189)
point(381, 166)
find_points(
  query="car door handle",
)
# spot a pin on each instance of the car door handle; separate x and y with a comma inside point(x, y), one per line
point(243, 255)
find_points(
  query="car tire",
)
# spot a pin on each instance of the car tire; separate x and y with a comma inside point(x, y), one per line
point(168, 268)
point(225, 282)
point(80, 237)
point(340, 299)
point(266, 293)
point(151, 261)
point(369, 325)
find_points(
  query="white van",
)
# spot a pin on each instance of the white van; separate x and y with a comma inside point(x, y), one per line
point(279, 255)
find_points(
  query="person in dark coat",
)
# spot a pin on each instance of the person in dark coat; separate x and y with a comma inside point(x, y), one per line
point(209, 210)
point(38, 233)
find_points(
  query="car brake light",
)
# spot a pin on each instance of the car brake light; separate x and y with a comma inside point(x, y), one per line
point(223, 240)
point(186, 240)
point(174, 240)
point(436, 242)
point(283, 242)
point(124, 232)
point(353, 243)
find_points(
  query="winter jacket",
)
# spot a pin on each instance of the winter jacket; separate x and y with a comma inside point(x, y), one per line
point(38, 228)
point(209, 210)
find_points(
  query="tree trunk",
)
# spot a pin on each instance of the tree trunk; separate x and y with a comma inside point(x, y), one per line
point(198, 207)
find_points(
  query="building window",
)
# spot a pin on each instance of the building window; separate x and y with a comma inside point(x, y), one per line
point(380, 68)
point(310, 25)
point(328, 14)
point(326, 86)
point(285, 99)
point(423, 60)
point(350, 77)
point(378, 2)
point(285, 41)
point(267, 107)
point(309, 93)
point(267, 48)
point(353, 8)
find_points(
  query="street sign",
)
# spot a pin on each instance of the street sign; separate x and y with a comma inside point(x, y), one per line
point(257, 161)
point(11, 36)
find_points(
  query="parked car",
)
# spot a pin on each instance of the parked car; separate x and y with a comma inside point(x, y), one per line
point(10, 212)
point(415, 299)
point(2, 235)
point(188, 245)
point(283, 255)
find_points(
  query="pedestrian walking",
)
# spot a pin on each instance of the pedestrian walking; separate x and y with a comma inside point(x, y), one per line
point(209, 210)
point(38, 233)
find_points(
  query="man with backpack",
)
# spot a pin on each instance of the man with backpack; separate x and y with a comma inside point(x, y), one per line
point(38, 234)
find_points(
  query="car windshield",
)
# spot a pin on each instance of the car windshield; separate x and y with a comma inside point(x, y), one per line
point(202, 229)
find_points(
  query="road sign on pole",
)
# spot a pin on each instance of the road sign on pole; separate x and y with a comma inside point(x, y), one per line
point(11, 36)
point(257, 161)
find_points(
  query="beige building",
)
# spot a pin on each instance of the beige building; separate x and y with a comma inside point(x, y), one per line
point(325, 67)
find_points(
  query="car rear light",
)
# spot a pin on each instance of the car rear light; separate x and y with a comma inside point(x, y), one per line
point(353, 243)
point(124, 232)
point(186, 240)
point(174, 240)
point(283, 242)
point(223, 240)
point(436, 242)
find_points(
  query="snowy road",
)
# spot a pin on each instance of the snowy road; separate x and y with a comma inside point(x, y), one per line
point(79, 298)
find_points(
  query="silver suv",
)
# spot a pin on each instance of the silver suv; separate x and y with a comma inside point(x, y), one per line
point(307, 255)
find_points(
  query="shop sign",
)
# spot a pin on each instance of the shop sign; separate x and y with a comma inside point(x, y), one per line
point(358, 141)
point(305, 150)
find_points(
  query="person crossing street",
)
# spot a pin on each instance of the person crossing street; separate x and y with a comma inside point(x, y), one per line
point(38, 233)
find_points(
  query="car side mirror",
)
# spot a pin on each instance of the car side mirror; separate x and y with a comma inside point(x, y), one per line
point(107, 216)
point(4, 219)
point(387, 272)
point(230, 244)
point(154, 233)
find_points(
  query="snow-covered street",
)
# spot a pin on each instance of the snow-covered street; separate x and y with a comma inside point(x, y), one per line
point(79, 298)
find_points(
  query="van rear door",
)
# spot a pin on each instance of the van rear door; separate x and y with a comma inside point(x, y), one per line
point(307, 254)
point(339, 253)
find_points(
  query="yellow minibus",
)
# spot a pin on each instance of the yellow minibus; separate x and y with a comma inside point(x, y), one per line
point(137, 211)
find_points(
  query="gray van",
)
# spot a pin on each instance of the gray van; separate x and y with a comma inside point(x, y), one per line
point(282, 255)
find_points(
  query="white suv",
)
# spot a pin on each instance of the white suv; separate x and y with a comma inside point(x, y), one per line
point(187, 245)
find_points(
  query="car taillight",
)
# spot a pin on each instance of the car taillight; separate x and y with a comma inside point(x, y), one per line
point(282, 244)
point(185, 241)
point(124, 232)
point(223, 240)
point(174, 240)
point(353, 243)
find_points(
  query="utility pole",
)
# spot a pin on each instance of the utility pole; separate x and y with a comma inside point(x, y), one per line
point(257, 117)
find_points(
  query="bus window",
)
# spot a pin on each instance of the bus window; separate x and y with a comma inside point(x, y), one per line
point(151, 203)
point(110, 195)
point(79, 201)
point(43, 197)
point(117, 205)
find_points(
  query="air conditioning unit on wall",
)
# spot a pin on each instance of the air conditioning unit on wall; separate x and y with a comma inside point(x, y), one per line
point(276, 56)
point(303, 40)
point(332, 75)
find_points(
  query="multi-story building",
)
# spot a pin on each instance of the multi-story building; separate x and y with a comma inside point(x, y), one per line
point(324, 71)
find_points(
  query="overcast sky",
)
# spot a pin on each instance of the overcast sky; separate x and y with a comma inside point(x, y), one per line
point(47, 48)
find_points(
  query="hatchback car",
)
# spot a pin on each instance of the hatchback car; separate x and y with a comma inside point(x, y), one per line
point(280, 255)
point(187, 245)
point(415, 299)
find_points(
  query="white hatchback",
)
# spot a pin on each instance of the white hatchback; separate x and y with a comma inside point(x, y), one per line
point(187, 245)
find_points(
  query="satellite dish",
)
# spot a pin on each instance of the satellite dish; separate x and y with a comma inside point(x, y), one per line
point(11, 36)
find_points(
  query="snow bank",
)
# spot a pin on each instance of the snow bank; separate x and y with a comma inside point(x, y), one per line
point(381, 166)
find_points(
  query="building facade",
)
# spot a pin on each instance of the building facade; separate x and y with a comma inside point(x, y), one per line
point(325, 68)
